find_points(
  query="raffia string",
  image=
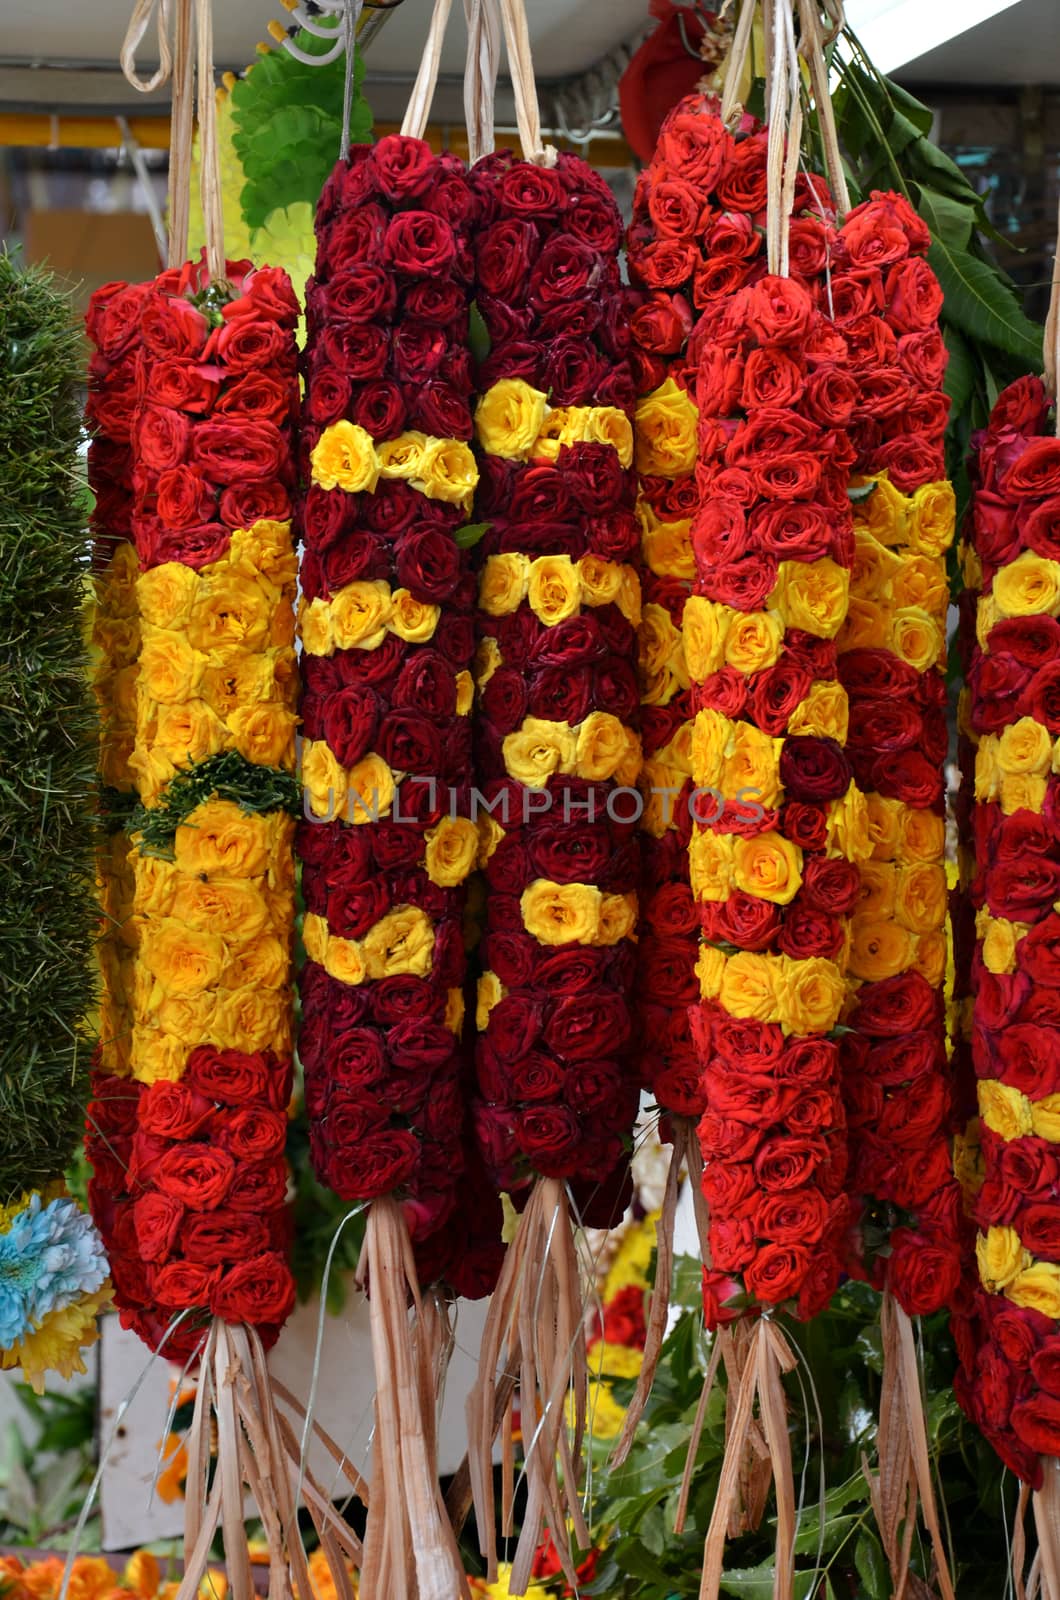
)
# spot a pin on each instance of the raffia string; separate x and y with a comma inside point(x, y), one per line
point(524, 84)
point(737, 59)
point(480, 78)
point(174, 60)
point(422, 96)
point(209, 155)
point(1046, 1501)
point(811, 48)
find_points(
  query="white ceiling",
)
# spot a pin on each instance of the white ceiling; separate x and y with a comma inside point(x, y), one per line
point(1019, 45)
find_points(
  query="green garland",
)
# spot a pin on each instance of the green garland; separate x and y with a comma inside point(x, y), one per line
point(226, 776)
point(47, 739)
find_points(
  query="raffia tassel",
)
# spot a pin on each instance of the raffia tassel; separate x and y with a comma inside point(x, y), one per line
point(1046, 1502)
point(410, 1552)
point(768, 1357)
point(737, 1344)
point(904, 1477)
point(534, 1326)
point(256, 1452)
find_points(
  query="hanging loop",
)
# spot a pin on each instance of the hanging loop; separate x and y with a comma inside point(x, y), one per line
point(139, 22)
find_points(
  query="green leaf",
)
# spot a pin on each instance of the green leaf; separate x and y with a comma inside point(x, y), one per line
point(982, 305)
point(469, 535)
point(478, 337)
point(872, 1567)
point(837, 1530)
point(759, 1583)
point(952, 221)
point(961, 371)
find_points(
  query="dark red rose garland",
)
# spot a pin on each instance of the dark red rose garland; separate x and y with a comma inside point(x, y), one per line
point(387, 636)
point(558, 758)
point(1008, 974)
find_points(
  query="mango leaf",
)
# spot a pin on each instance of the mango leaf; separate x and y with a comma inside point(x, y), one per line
point(982, 304)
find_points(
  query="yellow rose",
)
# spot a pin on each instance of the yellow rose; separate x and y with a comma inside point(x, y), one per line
point(608, 425)
point(934, 518)
point(448, 471)
point(564, 425)
point(465, 692)
point(553, 589)
point(1038, 1288)
point(866, 626)
point(875, 567)
point(451, 849)
point(711, 736)
point(490, 834)
point(360, 613)
point(710, 864)
point(999, 944)
point(602, 744)
point(665, 424)
point(922, 835)
point(538, 750)
point(1004, 1111)
point(931, 956)
point(967, 1160)
point(879, 949)
point(751, 767)
point(661, 657)
point(157, 1057)
point(315, 937)
point(1000, 1257)
point(885, 512)
point(812, 595)
point(987, 768)
point(1025, 747)
point(170, 670)
point(811, 995)
point(454, 1012)
point(344, 457)
point(323, 779)
point(767, 866)
point(705, 626)
point(266, 547)
point(1027, 587)
point(186, 961)
point(1045, 1117)
point(265, 735)
point(189, 1018)
point(231, 609)
point(848, 826)
point(879, 881)
point(234, 908)
point(971, 567)
point(237, 677)
point(710, 970)
point(987, 616)
point(884, 819)
point(219, 837)
point(561, 913)
point(667, 549)
point(618, 918)
point(156, 885)
point(752, 640)
point(490, 992)
point(923, 583)
point(601, 581)
point(824, 714)
point(916, 637)
point(509, 418)
point(344, 960)
point(189, 733)
point(369, 790)
point(1020, 792)
point(263, 963)
point(166, 594)
point(250, 1019)
point(400, 943)
point(749, 986)
point(921, 897)
point(503, 585)
point(412, 620)
point(402, 457)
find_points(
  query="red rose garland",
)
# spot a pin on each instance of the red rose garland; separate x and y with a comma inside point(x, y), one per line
point(557, 756)
point(1006, 1330)
point(193, 1192)
point(387, 638)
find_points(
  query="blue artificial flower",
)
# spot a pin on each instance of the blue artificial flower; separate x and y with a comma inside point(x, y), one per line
point(49, 1257)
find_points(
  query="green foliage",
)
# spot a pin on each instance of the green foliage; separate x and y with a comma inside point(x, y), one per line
point(43, 1482)
point(837, 1546)
point(47, 738)
point(288, 127)
point(228, 776)
point(884, 132)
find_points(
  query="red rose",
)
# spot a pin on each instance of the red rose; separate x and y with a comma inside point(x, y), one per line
point(777, 1272)
point(805, 825)
point(158, 1221)
point(246, 503)
point(809, 932)
point(909, 460)
point(909, 776)
point(1045, 1365)
point(169, 327)
point(222, 1236)
point(162, 437)
point(776, 692)
point(184, 500)
point(582, 1027)
point(813, 769)
point(799, 1216)
point(361, 293)
point(198, 1175)
point(173, 1111)
point(895, 1005)
point(183, 1285)
point(779, 310)
point(230, 453)
point(259, 1292)
point(551, 1138)
point(742, 186)
point(249, 343)
point(252, 1133)
point(1036, 1421)
point(695, 148)
point(379, 1164)
point(233, 1078)
point(741, 919)
point(258, 1187)
point(359, 350)
point(784, 1162)
point(402, 166)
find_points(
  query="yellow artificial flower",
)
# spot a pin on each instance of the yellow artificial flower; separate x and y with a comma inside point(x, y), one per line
point(1000, 1257)
point(413, 620)
point(451, 849)
point(1003, 1110)
point(400, 943)
point(503, 585)
point(553, 589)
point(1027, 587)
point(665, 424)
point(359, 614)
point(345, 457)
point(538, 750)
point(509, 418)
point(812, 595)
point(615, 1360)
point(561, 913)
point(767, 866)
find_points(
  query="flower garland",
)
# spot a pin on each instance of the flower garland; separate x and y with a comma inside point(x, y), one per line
point(782, 821)
point(1006, 1330)
point(892, 651)
point(190, 1178)
point(53, 1271)
point(387, 637)
point(558, 758)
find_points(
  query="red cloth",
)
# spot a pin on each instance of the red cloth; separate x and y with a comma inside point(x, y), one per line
point(661, 72)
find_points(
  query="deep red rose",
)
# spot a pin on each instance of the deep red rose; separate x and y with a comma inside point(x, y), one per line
point(243, 504)
point(182, 1285)
point(813, 769)
point(258, 1187)
point(168, 326)
point(777, 1272)
point(1036, 1421)
point(198, 1175)
point(233, 1078)
point(217, 1237)
point(252, 1133)
point(158, 1220)
point(550, 1137)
